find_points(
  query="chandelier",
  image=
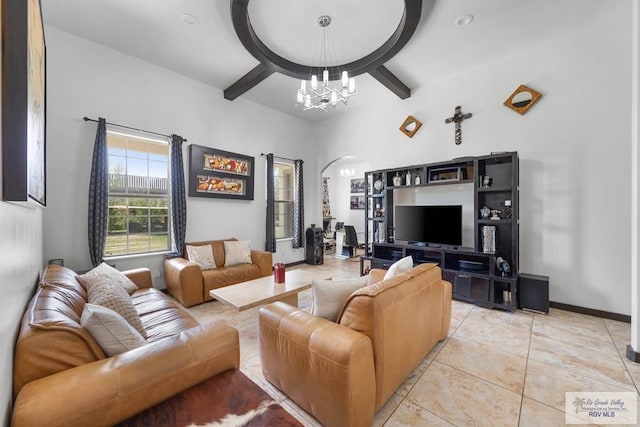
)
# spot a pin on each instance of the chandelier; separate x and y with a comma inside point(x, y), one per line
point(322, 94)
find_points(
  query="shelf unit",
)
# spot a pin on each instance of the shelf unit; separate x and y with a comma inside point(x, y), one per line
point(474, 272)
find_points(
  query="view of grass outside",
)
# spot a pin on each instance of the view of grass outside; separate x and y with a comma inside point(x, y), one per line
point(136, 243)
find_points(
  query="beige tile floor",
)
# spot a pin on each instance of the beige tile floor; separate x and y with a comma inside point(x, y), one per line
point(494, 369)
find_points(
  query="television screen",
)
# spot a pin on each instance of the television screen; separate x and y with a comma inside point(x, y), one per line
point(429, 224)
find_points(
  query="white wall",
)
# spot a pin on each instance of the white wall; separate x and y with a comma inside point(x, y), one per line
point(87, 79)
point(20, 264)
point(573, 145)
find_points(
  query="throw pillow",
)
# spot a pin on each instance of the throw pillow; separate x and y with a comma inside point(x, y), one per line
point(236, 252)
point(401, 266)
point(104, 273)
point(113, 334)
point(114, 297)
point(201, 255)
point(330, 295)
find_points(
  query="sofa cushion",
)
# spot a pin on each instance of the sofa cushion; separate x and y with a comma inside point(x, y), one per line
point(237, 252)
point(105, 274)
point(160, 316)
point(113, 296)
point(114, 334)
point(330, 295)
point(226, 276)
point(201, 255)
point(400, 266)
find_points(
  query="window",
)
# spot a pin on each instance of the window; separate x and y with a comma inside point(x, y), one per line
point(138, 195)
point(283, 189)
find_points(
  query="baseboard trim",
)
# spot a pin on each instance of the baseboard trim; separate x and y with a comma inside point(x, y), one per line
point(291, 264)
point(632, 355)
point(591, 312)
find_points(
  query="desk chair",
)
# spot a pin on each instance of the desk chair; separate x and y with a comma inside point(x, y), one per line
point(350, 240)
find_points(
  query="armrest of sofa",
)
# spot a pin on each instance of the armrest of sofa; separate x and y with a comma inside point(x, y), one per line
point(114, 389)
point(140, 276)
point(184, 281)
point(326, 368)
point(376, 275)
point(446, 309)
point(264, 260)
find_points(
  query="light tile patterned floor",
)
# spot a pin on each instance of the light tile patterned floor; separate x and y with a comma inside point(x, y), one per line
point(495, 368)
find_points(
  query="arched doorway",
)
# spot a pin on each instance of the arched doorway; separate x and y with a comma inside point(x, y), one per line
point(343, 199)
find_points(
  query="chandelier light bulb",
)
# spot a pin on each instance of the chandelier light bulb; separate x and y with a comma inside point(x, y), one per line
point(334, 98)
point(345, 93)
point(303, 87)
point(300, 96)
point(352, 85)
point(314, 82)
point(325, 77)
point(307, 101)
point(345, 79)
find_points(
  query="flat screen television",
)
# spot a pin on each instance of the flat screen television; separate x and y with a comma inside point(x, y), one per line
point(437, 225)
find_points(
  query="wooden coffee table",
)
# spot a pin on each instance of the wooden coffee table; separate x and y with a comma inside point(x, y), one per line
point(254, 293)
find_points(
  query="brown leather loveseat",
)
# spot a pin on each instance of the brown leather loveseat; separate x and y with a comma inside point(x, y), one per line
point(343, 372)
point(62, 377)
point(190, 285)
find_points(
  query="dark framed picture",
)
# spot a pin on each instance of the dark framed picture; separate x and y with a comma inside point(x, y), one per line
point(23, 103)
point(357, 202)
point(357, 185)
point(220, 174)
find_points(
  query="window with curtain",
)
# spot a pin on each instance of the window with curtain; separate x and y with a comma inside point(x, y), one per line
point(139, 195)
point(283, 191)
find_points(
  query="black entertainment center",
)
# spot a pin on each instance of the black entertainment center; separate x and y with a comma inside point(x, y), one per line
point(485, 271)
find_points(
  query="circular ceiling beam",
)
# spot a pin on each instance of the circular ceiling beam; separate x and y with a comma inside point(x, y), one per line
point(371, 62)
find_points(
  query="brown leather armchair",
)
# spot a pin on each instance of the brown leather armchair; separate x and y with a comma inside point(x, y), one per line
point(343, 372)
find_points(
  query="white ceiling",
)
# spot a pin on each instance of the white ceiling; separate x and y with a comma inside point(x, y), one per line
point(209, 50)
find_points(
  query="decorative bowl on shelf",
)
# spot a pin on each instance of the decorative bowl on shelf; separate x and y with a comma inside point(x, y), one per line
point(378, 185)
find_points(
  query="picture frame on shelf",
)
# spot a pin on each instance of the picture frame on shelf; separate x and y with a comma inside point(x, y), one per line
point(215, 173)
point(24, 160)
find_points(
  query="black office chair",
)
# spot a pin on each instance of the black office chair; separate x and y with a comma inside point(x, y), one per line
point(350, 240)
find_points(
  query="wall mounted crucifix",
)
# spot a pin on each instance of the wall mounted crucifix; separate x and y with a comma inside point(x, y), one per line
point(458, 118)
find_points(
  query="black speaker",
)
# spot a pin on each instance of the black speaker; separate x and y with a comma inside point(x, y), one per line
point(314, 248)
point(533, 293)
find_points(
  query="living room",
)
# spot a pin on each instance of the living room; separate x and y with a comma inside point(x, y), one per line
point(574, 145)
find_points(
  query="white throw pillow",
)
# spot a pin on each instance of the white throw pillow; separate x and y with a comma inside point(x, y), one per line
point(113, 334)
point(114, 297)
point(236, 252)
point(201, 255)
point(400, 266)
point(105, 274)
point(330, 295)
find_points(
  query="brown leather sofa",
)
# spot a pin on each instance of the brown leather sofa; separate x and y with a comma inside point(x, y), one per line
point(63, 378)
point(343, 372)
point(191, 285)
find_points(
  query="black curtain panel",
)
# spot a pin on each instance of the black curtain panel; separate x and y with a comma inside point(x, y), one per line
point(99, 195)
point(178, 197)
point(270, 244)
point(298, 205)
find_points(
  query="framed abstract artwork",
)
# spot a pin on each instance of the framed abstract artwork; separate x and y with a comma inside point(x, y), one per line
point(23, 103)
point(216, 173)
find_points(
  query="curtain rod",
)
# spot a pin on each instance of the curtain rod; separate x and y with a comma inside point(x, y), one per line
point(279, 157)
point(87, 119)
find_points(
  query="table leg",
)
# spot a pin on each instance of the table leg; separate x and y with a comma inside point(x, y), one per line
point(292, 300)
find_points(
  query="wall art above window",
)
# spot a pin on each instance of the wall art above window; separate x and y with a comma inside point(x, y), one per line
point(220, 174)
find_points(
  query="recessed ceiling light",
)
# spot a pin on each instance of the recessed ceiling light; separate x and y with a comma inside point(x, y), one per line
point(463, 20)
point(189, 18)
